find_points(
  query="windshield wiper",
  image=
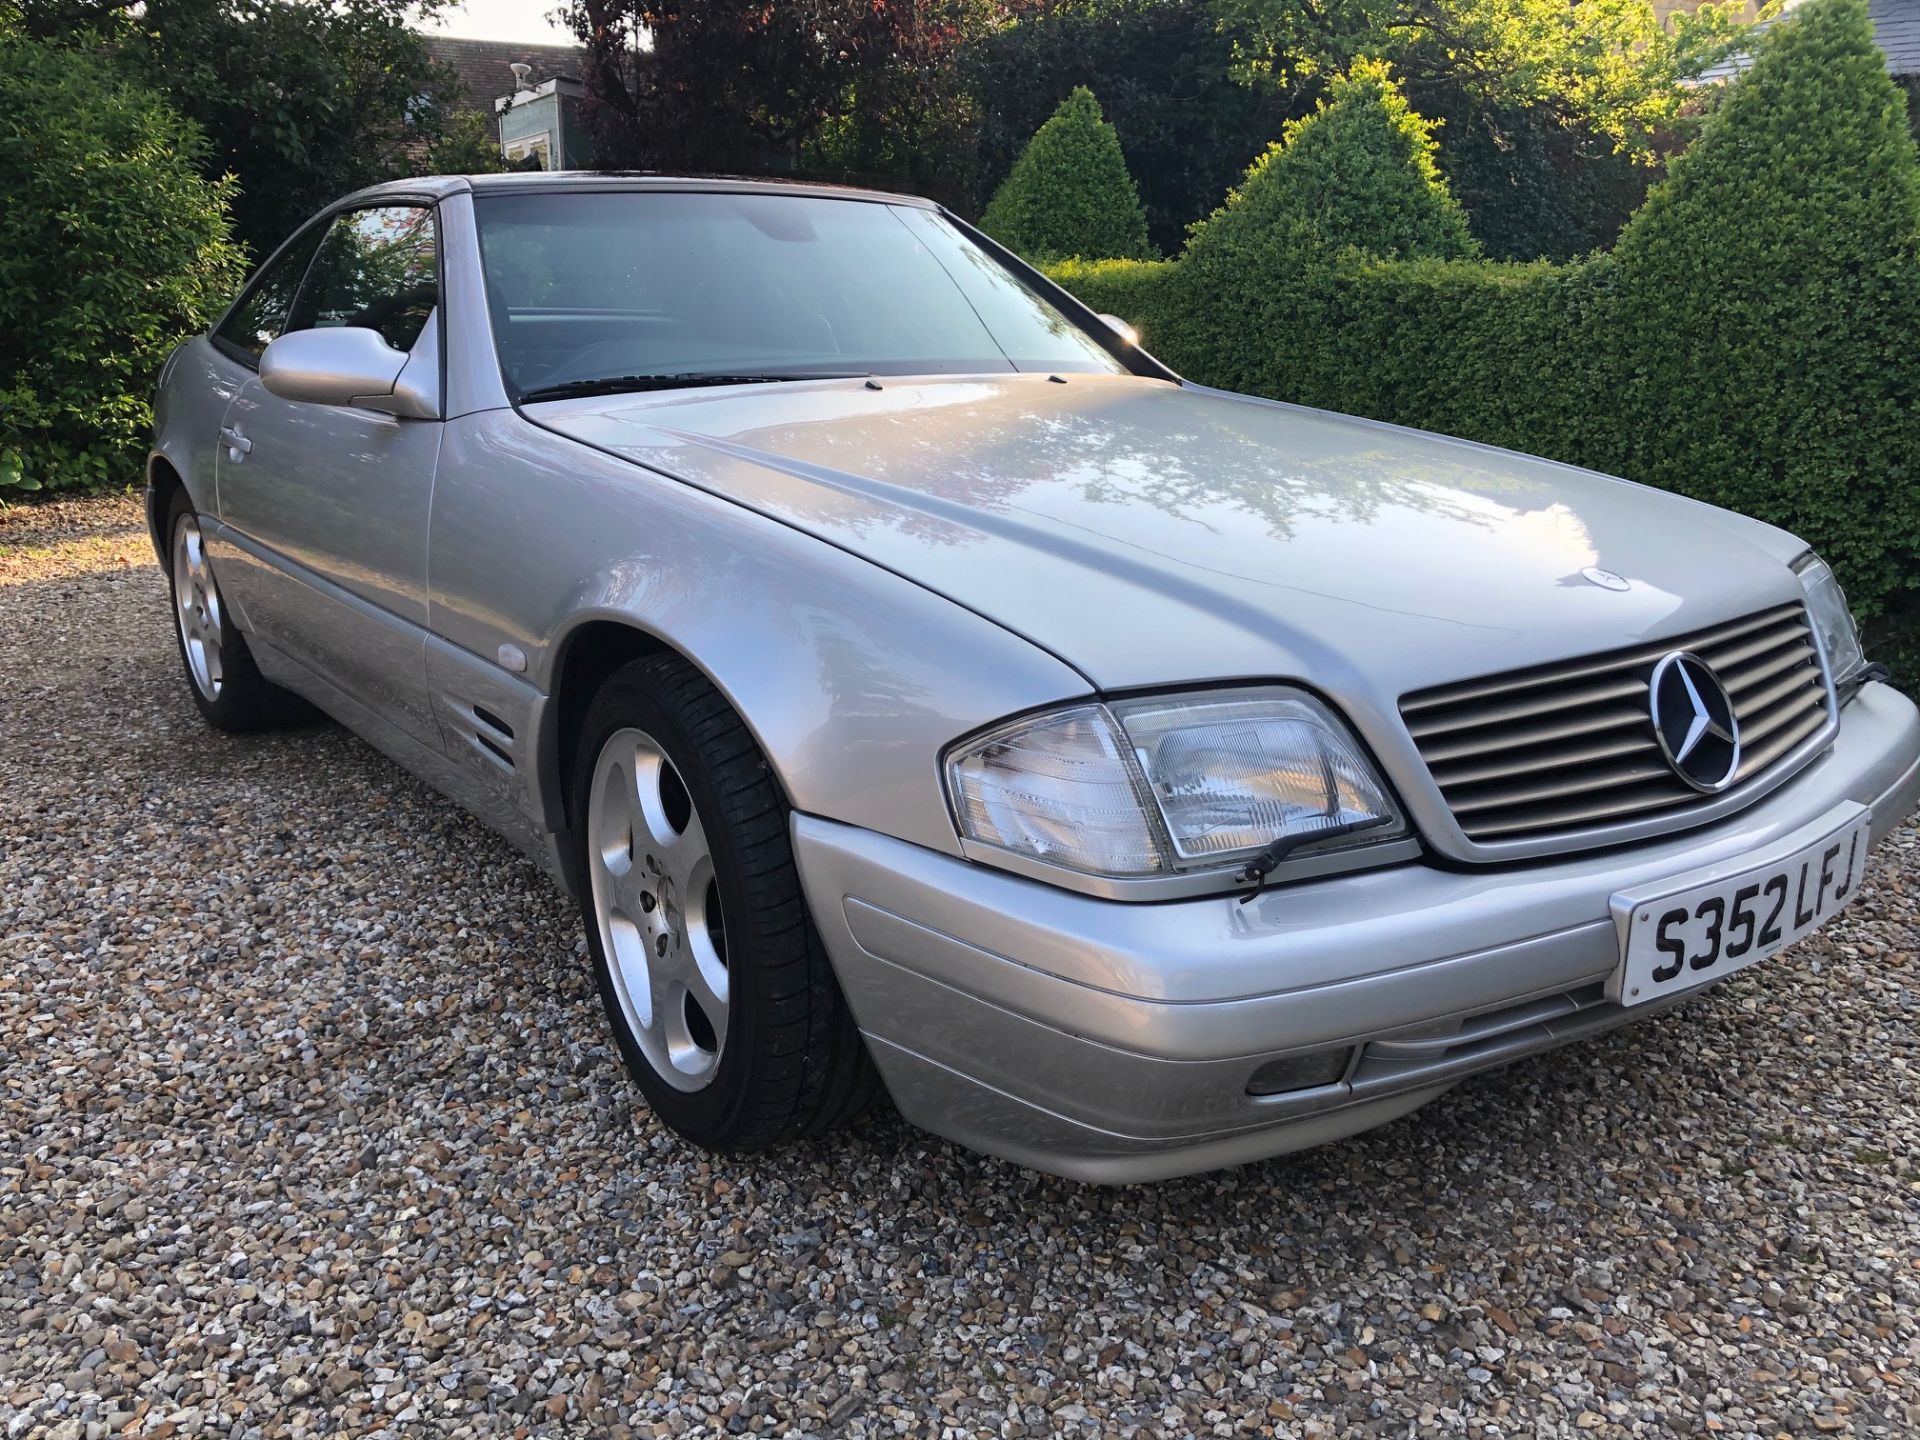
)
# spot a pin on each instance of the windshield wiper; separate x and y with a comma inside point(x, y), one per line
point(628, 384)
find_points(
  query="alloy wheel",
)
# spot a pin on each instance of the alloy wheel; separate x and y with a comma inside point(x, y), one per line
point(656, 900)
point(197, 608)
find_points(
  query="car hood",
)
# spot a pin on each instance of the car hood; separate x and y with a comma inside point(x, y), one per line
point(1151, 533)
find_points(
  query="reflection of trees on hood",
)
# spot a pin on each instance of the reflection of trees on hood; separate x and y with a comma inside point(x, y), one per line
point(992, 462)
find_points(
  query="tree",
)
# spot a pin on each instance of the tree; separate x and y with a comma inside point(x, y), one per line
point(112, 246)
point(1069, 192)
point(737, 85)
point(1608, 65)
point(1769, 294)
point(1356, 175)
point(1164, 71)
point(300, 102)
point(908, 119)
point(1554, 115)
point(1534, 185)
point(469, 144)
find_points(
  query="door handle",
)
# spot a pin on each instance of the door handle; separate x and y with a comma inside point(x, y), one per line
point(237, 443)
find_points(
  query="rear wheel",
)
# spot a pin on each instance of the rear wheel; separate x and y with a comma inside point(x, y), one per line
point(718, 989)
point(226, 685)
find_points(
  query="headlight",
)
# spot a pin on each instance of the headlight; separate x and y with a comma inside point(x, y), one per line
point(1832, 621)
point(1170, 783)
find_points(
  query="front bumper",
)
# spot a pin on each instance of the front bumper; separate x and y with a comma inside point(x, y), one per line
point(1114, 1042)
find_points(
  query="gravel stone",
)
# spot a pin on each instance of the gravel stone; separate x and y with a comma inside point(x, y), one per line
point(310, 1125)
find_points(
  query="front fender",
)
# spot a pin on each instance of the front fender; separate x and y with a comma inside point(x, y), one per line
point(853, 679)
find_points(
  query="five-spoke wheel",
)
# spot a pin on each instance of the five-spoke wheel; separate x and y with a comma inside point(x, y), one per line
point(718, 989)
point(657, 902)
point(196, 607)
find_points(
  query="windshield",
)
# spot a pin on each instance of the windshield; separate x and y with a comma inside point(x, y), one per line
point(621, 289)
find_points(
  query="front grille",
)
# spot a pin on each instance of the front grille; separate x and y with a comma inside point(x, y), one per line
point(1565, 746)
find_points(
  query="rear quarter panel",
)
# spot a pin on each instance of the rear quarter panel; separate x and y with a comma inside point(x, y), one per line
point(197, 384)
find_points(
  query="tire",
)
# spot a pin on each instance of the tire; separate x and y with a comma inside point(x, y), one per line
point(716, 984)
point(225, 683)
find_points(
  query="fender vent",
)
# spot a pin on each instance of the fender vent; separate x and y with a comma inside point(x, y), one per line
point(491, 735)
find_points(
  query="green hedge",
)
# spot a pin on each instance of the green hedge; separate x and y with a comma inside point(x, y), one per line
point(112, 247)
point(1752, 340)
point(1069, 192)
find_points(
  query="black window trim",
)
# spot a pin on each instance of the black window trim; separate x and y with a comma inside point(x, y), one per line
point(320, 224)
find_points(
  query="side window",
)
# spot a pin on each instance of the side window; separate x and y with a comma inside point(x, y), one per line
point(262, 312)
point(376, 268)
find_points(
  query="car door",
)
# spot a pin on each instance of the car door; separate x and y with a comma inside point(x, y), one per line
point(327, 505)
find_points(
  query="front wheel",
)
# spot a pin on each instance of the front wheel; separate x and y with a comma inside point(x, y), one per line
point(719, 991)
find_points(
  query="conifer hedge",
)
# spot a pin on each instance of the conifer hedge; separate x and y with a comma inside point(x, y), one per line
point(1069, 193)
point(1753, 339)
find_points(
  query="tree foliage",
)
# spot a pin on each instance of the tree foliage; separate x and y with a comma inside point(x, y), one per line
point(1070, 193)
point(299, 102)
point(1608, 65)
point(469, 144)
point(742, 85)
point(112, 246)
point(1164, 71)
point(1358, 173)
point(1534, 185)
point(1749, 340)
point(1553, 117)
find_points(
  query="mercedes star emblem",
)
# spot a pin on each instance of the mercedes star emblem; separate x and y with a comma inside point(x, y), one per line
point(1694, 721)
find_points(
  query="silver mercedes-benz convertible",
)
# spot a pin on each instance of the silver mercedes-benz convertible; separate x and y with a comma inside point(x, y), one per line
point(921, 688)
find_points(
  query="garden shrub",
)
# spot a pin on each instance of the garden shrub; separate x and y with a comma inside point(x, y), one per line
point(1768, 318)
point(1753, 339)
point(1165, 71)
point(112, 247)
point(1135, 290)
point(1356, 174)
point(1069, 192)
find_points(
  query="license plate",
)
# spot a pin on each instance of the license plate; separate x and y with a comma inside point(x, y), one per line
point(1692, 936)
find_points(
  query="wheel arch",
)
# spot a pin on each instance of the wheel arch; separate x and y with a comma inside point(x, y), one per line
point(585, 657)
point(163, 483)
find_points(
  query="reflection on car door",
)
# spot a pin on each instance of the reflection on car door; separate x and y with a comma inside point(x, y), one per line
point(328, 504)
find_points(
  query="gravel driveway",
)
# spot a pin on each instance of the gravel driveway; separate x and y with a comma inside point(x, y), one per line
point(309, 1124)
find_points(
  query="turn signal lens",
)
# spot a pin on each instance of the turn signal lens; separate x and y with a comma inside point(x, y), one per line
point(1057, 788)
point(1832, 620)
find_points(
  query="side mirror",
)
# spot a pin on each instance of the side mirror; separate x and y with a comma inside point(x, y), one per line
point(350, 365)
point(1121, 328)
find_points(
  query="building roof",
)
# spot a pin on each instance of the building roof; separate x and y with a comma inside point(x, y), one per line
point(484, 66)
point(1896, 28)
point(1896, 25)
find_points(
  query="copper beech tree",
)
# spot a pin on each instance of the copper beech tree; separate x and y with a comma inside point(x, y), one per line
point(745, 84)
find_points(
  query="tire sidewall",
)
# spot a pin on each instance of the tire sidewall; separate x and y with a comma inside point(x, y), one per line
point(626, 702)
